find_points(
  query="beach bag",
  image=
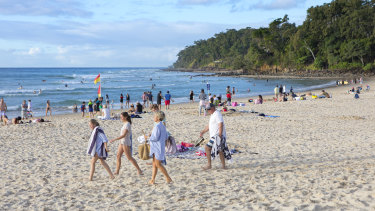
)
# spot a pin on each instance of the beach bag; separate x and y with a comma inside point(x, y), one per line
point(144, 151)
point(234, 104)
point(171, 145)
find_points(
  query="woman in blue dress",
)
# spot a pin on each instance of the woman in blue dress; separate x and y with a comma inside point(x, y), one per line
point(157, 147)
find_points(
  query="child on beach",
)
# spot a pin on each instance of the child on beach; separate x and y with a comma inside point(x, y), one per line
point(83, 108)
point(75, 108)
point(125, 145)
point(229, 99)
point(91, 109)
point(191, 97)
point(97, 148)
point(157, 147)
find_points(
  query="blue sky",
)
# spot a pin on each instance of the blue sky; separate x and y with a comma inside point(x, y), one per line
point(125, 33)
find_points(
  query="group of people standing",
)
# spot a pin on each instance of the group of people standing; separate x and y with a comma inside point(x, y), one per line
point(26, 111)
point(281, 92)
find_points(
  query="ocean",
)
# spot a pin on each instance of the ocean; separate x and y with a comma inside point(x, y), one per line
point(65, 87)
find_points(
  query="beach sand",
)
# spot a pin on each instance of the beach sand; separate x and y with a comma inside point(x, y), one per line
point(319, 154)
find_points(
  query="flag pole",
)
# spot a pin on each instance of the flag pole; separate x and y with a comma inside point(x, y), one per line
point(100, 84)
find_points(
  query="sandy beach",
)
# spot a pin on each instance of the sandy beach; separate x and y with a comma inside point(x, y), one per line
point(319, 154)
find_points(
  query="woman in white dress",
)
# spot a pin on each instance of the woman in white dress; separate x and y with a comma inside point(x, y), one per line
point(125, 143)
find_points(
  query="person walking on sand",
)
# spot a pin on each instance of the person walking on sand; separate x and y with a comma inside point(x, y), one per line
point(122, 101)
point(91, 109)
point(125, 145)
point(157, 147)
point(127, 100)
point(24, 110)
point(167, 100)
point(144, 98)
point(83, 108)
point(29, 110)
point(97, 148)
point(48, 108)
point(3, 108)
point(276, 91)
point(217, 144)
point(191, 96)
point(159, 97)
point(202, 102)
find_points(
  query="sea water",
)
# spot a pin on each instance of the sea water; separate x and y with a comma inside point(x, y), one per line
point(65, 87)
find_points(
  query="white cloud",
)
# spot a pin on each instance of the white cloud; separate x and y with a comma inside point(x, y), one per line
point(34, 51)
point(30, 52)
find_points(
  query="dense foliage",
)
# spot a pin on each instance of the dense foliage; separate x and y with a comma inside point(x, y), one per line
point(336, 35)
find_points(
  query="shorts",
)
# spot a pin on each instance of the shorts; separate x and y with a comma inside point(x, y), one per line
point(2, 113)
point(167, 102)
point(121, 101)
point(210, 143)
point(91, 110)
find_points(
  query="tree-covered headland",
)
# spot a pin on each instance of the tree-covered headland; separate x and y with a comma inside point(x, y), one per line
point(336, 36)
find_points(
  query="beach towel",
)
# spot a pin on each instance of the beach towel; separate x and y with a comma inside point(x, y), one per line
point(220, 144)
point(97, 137)
point(190, 154)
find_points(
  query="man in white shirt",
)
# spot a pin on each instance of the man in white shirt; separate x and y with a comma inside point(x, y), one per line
point(217, 137)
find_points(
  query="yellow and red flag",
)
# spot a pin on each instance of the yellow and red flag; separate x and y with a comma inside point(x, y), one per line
point(97, 79)
point(99, 92)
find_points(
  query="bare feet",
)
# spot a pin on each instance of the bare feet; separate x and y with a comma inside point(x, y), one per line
point(151, 182)
point(169, 181)
point(112, 177)
point(206, 167)
point(140, 173)
point(116, 173)
point(149, 163)
point(224, 168)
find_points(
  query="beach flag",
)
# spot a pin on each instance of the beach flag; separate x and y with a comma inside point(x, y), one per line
point(99, 92)
point(97, 79)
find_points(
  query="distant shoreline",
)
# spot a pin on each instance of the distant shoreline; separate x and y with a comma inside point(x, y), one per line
point(308, 74)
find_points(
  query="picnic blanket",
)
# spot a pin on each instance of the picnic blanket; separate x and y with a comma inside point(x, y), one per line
point(189, 154)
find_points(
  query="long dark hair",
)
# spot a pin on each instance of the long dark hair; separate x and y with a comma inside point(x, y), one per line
point(127, 117)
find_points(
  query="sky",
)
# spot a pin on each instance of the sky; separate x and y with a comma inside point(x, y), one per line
point(125, 33)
